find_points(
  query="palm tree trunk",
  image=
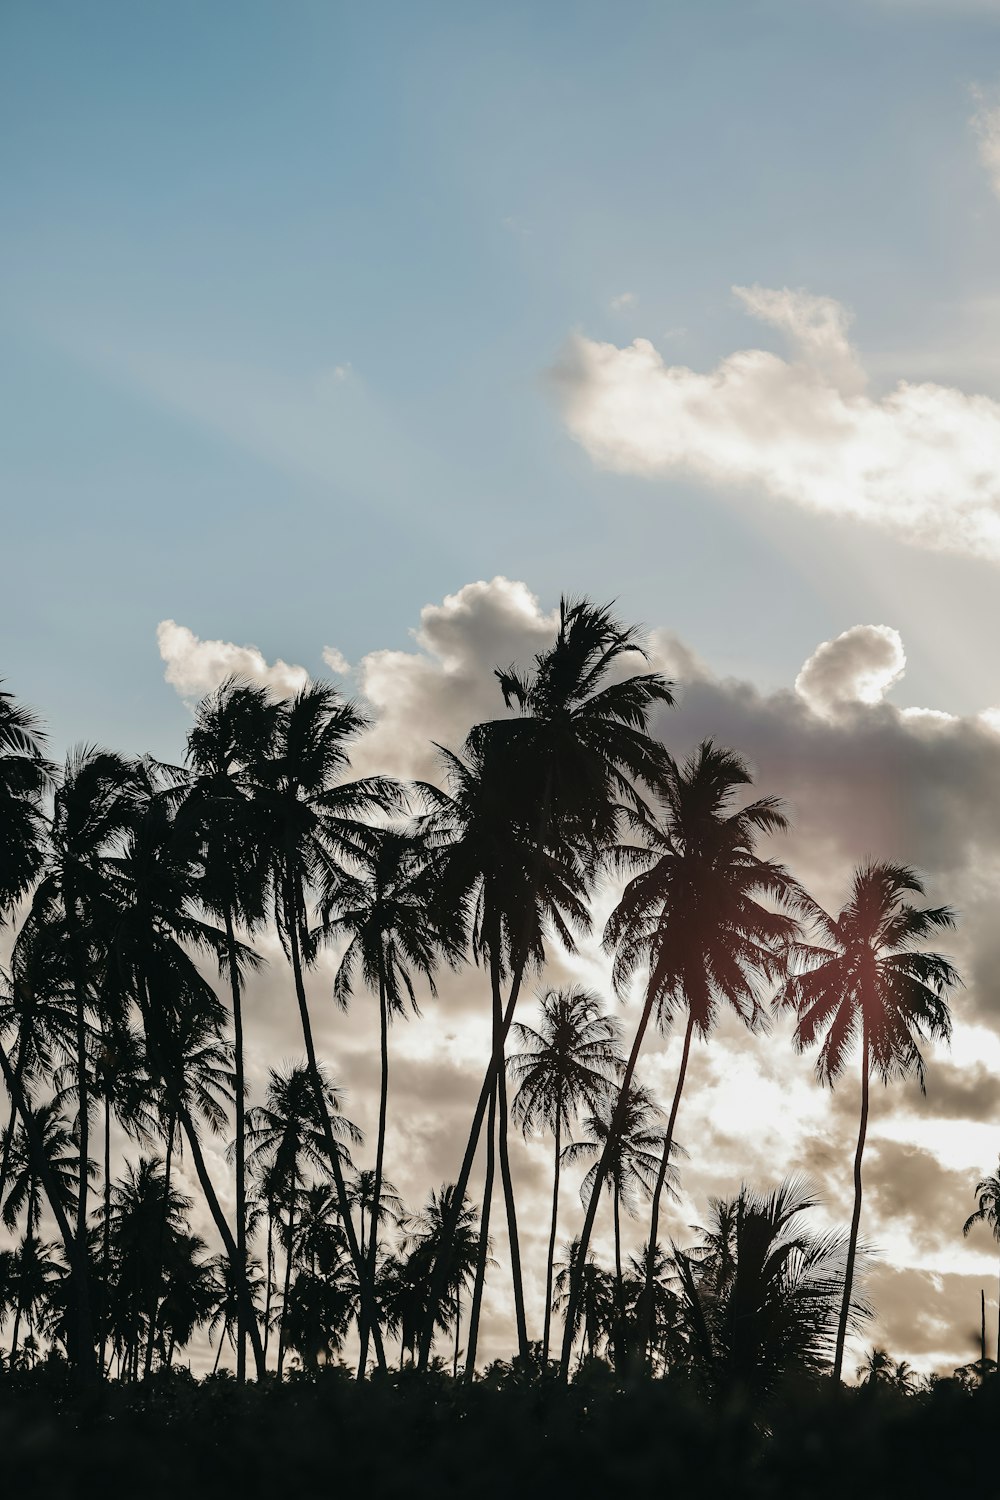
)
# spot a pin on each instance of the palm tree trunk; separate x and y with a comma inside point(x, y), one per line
point(292, 905)
point(383, 1101)
point(241, 1182)
point(83, 1352)
point(442, 1266)
point(154, 1310)
point(82, 1271)
point(8, 1135)
point(619, 1314)
point(270, 1279)
point(106, 1232)
point(458, 1331)
point(576, 1271)
point(550, 1259)
point(646, 1310)
point(852, 1247)
point(289, 1258)
point(218, 1352)
point(483, 1249)
point(508, 1185)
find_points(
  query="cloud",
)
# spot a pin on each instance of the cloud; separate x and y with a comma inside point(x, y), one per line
point(986, 124)
point(622, 301)
point(195, 667)
point(922, 462)
point(336, 661)
point(859, 666)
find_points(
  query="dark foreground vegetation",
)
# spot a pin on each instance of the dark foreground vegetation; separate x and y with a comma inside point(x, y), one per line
point(428, 1435)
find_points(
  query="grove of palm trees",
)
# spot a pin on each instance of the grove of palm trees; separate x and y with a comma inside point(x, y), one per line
point(136, 896)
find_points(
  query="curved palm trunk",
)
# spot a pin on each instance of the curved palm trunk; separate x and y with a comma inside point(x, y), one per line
point(499, 1037)
point(383, 1101)
point(576, 1273)
point(365, 1292)
point(442, 1262)
point(550, 1259)
point(647, 1307)
point(83, 1352)
point(241, 1180)
point(852, 1247)
point(483, 1248)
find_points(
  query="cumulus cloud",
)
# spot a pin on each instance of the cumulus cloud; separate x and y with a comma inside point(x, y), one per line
point(194, 667)
point(922, 462)
point(859, 666)
point(336, 661)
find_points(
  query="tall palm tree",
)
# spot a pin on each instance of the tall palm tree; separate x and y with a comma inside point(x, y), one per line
point(423, 1237)
point(235, 728)
point(312, 821)
point(694, 916)
point(544, 786)
point(988, 1212)
point(627, 1144)
point(394, 936)
point(867, 980)
point(25, 777)
point(570, 1062)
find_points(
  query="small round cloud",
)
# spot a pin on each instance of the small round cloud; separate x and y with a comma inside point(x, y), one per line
point(859, 666)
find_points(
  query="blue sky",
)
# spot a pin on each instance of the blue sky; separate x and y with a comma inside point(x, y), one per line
point(283, 286)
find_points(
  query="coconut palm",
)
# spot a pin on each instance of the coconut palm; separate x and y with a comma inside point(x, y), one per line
point(694, 917)
point(627, 1144)
point(235, 729)
point(868, 981)
point(394, 937)
point(533, 793)
point(25, 777)
point(313, 820)
point(988, 1212)
point(570, 1062)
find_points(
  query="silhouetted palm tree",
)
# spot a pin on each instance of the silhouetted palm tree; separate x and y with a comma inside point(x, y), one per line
point(867, 981)
point(235, 729)
point(546, 784)
point(571, 1062)
point(693, 916)
point(395, 935)
point(770, 1307)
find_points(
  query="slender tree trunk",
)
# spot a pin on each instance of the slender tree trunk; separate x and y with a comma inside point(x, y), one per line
point(442, 1261)
point(82, 1269)
point(550, 1259)
point(218, 1352)
point(646, 1308)
point(852, 1247)
point(292, 927)
point(619, 1312)
point(383, 1102)
point(507, 1180)
point(576, 1271)
point(458, 1331)
point(270, 1280)
point(483, 1250)
point(241, 1179)
point(289, 1258)
point(8, 1135)
point(83, 1352)
point(106, 1232)
point(982, 1333)
point(154, 1308)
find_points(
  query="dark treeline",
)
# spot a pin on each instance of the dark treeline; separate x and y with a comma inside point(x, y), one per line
point(135, 893)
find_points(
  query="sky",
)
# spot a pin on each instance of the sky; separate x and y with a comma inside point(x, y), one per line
point(343, 338)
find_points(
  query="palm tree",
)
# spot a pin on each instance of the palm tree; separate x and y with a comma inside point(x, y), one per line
point(867, 981)
point(769, 1307)
point(693, 917)
point(286, 1136)
point(394, 936)
point(627, 1144)
point(593, 1304)
point(570, 1062)
point(235, 728)
point(25, 777)
point(535, 804)
point(988, 1212)
point(311, 822)
point(423, 1237)
point(361, 1195)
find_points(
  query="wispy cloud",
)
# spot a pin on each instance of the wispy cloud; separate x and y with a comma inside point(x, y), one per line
point(986, 124)
point(922, 462)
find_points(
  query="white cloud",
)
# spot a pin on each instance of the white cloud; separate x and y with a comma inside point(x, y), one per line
point(336, 661)
point(859, 666)
point(623, 301)
point(195, 667)
point(986, 124)
point(922, 462)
